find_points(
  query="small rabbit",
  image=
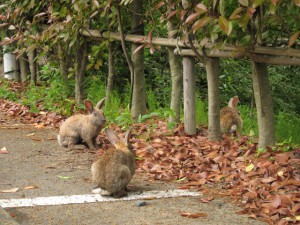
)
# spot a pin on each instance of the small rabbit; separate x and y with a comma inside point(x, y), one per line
point(114, 169)
point(230, 118)
point(78, 128)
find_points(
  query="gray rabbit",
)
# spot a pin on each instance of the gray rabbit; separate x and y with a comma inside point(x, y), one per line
point(78, 128)
point(114, 169)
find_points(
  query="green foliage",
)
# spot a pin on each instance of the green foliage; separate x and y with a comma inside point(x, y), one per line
point(250, 127)
point(235, 79)
point(287, 127)
point(124, 119)
point(201, 111)
point(6, 93)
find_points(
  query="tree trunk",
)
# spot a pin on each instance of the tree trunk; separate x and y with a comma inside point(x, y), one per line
point(32, 66)
point(189, 95)
point(111, 71)
point(62, 57)
point(176, 74)
point(264, 105)
point(138, 93)
point(81, 62)
point(212, 71)
point(24, 67)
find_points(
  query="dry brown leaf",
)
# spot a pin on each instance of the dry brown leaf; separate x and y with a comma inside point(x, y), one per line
point(194, 215)
point(13, 190)
point(3, 150)
point(30, 187)
point(206, 200)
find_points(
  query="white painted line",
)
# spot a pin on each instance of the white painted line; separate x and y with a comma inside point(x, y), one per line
point(90, 198)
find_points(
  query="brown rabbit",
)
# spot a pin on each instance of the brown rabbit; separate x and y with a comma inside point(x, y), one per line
point(114, 169)
point(85, 128)
point(230, 119)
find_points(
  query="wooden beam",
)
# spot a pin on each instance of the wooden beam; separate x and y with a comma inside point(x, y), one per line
point(211, 50)
point(275, 60)
point(214, 53)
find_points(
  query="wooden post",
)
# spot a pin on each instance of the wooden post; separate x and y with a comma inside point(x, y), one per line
point(189, 95)
point(212, 71)
point(264, 105)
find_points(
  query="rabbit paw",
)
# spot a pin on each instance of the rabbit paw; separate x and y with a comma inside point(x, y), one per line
point(97, 190)
point(104, 193)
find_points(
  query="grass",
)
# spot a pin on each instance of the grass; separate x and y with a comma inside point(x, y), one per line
point(117, 109)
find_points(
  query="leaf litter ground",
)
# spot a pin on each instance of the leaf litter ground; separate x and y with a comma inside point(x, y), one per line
point(265, 186)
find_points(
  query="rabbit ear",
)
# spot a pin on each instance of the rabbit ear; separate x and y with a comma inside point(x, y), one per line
point(112, 136)
point(233, 102)
point(127, 136)
point(100, 103)
point(89, 106)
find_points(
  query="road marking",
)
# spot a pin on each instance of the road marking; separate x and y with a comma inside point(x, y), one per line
point(90, 198)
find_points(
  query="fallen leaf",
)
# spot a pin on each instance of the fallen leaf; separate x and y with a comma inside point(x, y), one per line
point(150, 198)
point(64, 177)
point(206, 200)
point(30, 187)
point(280, 173)
point(194, 215)
point(3, 151)
point(39, 126)
point(10, 190)
point(249, 167)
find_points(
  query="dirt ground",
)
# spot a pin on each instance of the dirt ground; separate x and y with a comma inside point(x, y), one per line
point(35, 158)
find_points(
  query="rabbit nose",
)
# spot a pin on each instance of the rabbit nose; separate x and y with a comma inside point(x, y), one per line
point(103, 120)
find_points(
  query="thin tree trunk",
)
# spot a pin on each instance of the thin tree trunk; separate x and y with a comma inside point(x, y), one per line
point(189, 95)
point(81, 62)
point(111, 71)
point(32, 66)
point(264, 105)
point(138, 93)
point(24, 67)
point(212, 71)
point(176, 74)
point(62, 63)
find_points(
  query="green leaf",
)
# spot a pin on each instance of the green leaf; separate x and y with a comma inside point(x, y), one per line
point(159, 5)
point(257, 3)
point(244, 3)
point(244, 20)
point(235, 15)
point(245, 41)
point(201, 23)
point(200, 8)
point(192, 17)
point(225, 25)
point(294, 38)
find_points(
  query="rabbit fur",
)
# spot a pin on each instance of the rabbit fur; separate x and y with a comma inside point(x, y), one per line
point(114, 169)
point(230, 118)
point(78, 128)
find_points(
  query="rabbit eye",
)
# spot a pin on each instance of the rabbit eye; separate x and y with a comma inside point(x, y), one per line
point(94, 113)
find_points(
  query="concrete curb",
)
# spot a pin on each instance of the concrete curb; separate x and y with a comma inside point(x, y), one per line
point(6, 219)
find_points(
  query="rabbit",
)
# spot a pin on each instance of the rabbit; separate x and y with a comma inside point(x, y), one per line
point(114, 169)
point(230, 118)
point(78, 128)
